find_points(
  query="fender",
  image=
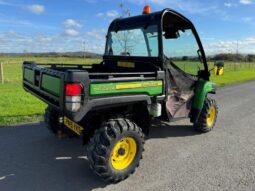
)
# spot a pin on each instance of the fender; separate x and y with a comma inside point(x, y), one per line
point(106, 102)
point(202, 88)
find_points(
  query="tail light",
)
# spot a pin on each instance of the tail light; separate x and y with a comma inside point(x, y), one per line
point(73, 96)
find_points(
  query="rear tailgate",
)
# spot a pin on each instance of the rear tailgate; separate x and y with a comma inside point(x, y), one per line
point(44, 83)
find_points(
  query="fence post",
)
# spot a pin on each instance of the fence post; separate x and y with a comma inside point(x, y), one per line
point(2, 72)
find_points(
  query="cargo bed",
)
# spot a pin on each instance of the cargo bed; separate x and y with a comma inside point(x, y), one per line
point(47, 82)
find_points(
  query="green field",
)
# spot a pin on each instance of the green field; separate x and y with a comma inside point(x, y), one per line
point(233, 72)
point(18, 106)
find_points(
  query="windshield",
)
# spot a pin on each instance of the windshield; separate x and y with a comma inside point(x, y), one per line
point(141, 42)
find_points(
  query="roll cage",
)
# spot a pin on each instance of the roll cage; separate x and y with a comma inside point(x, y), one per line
point(161, 19)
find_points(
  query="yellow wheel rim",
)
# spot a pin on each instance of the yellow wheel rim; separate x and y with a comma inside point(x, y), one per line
point(123, 153)
point(211, 116)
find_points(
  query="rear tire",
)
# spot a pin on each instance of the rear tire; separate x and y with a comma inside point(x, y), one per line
point(208, 116)
point(51, 119)
point(116, 149)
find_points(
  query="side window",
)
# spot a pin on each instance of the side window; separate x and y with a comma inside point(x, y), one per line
point(182, 48)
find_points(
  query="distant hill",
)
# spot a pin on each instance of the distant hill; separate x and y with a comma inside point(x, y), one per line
point(56, 54)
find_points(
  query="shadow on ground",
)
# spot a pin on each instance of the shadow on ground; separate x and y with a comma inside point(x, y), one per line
point(34, 159)
point(164, 130)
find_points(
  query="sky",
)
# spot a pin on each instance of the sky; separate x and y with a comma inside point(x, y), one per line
point(224, 26)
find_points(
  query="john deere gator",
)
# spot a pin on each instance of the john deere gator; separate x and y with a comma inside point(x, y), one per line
point(154, 66)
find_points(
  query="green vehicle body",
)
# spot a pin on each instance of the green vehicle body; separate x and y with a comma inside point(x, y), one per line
point(152, 88)
point(51, 84)
point(28, 75)
point(201, 90)
point(113, 86)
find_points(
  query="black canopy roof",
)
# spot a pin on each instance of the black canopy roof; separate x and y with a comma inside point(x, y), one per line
point(145, 19)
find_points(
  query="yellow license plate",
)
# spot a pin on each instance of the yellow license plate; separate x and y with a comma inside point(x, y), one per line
point(73, 126)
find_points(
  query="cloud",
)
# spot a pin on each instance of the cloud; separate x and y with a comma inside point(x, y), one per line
point(15, 42)
point(246, 2)
point(248, 19)
point(36, 9)
point(71, 32)
point(100, 14)
point(9, 21)
point(245, 46)
point(196, 7)
point(70, 23)
point(97, 34)
point(229, 5)
point(71, 26)
point(12, 4)
point(90, 1)
point(12, 41)
point(190, 6)
point(157, 2)
point(110, 13)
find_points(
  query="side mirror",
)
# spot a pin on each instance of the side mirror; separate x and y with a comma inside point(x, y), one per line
point(169, 34)
point(204, 74)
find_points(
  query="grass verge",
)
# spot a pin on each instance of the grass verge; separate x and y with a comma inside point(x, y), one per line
point(234, 77)
point(18, 106)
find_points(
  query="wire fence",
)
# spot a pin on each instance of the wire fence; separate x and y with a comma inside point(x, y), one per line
point(10, 72)
point(236, 66)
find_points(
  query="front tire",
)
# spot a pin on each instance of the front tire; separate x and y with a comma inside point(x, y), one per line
point(116, 149)
point(208, 116)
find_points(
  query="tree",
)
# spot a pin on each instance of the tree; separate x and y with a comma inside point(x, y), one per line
point(125, 38)
point(185, 58)
point(124, 12)
point(250, 58)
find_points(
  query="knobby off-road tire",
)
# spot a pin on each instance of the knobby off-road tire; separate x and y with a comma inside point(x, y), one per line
point(51, 119)
point(115, 150)
point(208, 116)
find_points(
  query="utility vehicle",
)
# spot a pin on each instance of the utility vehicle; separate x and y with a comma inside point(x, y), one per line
point(154, 66)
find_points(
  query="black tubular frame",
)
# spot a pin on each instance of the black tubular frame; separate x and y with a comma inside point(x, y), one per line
point(152, 18)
